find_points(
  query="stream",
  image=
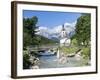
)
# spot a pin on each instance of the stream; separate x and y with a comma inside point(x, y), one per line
point(47, 60)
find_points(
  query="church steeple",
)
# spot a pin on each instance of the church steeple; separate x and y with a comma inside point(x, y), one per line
point(64, 40)
point(63, 29)
point(63, 32)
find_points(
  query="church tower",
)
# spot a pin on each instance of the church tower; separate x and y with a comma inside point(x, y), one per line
point(64, 40)
point(63, 32)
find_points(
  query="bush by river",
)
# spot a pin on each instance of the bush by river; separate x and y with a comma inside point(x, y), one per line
point(69, 50)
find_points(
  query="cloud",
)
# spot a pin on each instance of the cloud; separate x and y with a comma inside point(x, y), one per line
point(71, 24)
point(57, 29)
point(43, 28)
point(68, 26)
point(48, 32)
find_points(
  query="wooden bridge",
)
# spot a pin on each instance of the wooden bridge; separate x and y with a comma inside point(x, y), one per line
point(42, 48)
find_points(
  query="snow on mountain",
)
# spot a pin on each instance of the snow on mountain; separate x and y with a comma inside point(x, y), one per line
point(55, 32)
point(43, 31)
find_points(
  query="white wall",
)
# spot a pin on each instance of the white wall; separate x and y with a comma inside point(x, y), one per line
point(5, 41)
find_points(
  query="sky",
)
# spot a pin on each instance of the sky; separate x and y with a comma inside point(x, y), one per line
point(50, 18)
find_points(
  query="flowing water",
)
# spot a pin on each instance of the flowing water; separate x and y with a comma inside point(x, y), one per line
point(51, 61)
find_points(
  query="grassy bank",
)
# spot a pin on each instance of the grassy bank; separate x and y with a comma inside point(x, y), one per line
point(69, 50)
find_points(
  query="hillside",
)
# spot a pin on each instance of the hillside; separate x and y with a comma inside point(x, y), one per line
point(44, 40)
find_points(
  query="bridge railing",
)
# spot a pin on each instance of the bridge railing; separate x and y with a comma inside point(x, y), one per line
point(41, 47)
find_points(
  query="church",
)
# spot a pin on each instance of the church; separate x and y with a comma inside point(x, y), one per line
point(64, 38)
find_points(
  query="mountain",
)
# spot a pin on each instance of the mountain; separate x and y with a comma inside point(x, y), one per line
point(54, 33)
point(46, 41)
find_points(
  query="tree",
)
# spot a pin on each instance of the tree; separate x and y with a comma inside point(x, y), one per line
point(30, 25)
point(83, 29)
point(27, 40)
point(29, 30)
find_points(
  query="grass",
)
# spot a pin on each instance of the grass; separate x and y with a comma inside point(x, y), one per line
point(86, 52)
point(68, 50)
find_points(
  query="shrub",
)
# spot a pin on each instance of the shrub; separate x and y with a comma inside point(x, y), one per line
point(26, 62)
point(69, 50)
point(86, 52)
point(74, 42)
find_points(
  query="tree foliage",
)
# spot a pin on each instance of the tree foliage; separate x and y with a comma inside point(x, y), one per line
point(83, 29)
point(30, 25)
point(29, 30)
point(29, 33)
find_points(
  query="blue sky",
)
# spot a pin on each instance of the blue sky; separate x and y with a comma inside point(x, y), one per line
point(51, 19)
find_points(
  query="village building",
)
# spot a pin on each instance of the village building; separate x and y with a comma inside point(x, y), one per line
point(64, 38)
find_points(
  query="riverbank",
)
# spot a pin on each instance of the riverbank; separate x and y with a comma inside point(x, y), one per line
point(68, 57)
